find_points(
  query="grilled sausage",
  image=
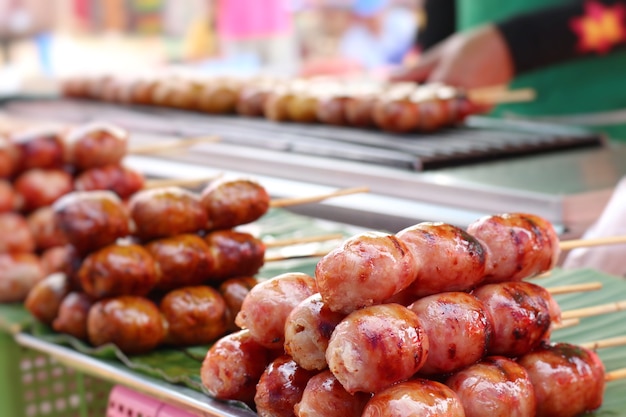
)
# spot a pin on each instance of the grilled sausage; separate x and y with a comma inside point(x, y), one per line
point(461, 326)
point(568, 379)
point(165, 212)
point(122, 180)
point(233, 366)
point(196, 315)
point(324, 396)
point(39, 188)
point(95, 145)
point(449, 258)
point(366, 269)
point(267, 305)
point(19, 273)
point(233, 202)
point(280, 388)
point(134, 324)
point(417, 397)
point(307, 332)
point(92, 219)
point(496, 386)
point(520, 245)
point(118, 269)
point(377, 346)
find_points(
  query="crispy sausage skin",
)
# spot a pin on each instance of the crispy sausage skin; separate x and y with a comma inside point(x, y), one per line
point(10, 156)
point(54, 259)
point(41, 148)
point(45, 229)
point(521, 314)
point(42, 187)
point(568, 379)
point(234, 254)
point(19, 273)
point(449, 258)
point(461, 326)
point(280, 388)
point(267, 305)
point(233, 365)
point(196, 315)
point(92, 219)
point(9, 199)
point(520, 245)
point(15, 235)
point(72, 315)
point(118, 270)
point(44, 299)
point(122, 180)
point(377, 346)
point(234, 291)
point(307, 332)
point(165, 212)
point(324, 396)
point(96, 144)
point(183, 260)
point(417, 397)
point(496, 385)
point(232, 202)
point(365, 270)
point(134, 324)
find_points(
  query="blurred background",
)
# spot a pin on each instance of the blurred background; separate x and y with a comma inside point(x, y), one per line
point(56, 38)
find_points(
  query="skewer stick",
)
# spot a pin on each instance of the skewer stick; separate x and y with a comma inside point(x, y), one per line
point(284, 202)
point(178, 182)
point(304, 239)
point(615, 375)
point(170, 145)
point(582, 243)
point(500, 95)
point(276, 258)
point(565, 323)
point(565, 289)
point(594, 311)
point(605, 343)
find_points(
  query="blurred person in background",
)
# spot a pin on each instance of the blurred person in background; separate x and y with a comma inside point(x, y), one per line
point(261, 29)
point(359, 36)
point(22, 20)
point(381, 34)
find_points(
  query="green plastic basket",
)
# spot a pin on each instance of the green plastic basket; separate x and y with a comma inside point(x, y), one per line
point(35, 385)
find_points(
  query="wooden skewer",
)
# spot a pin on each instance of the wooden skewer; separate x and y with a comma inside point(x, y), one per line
point(566, 323)
point(284, 202)
point(615, 375)
point(605, 343)
point(499, 95)
point(178, 182)
point(582, 243)
point(594, 311)
point(170, 145)
point(564, 289)
point(304, 239)
point(275, 258)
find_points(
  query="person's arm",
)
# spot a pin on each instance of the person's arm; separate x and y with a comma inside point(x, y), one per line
point(494, 53)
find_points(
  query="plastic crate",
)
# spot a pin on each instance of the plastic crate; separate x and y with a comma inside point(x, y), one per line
point(125, 402)
point(35, 385)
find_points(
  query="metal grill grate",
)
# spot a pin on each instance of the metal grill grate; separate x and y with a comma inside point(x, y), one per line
point(482, 139)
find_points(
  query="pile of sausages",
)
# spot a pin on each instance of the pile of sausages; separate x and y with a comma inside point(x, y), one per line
point(37, 167)
point(164, 267)
point(392, 107)
point(432, 321)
